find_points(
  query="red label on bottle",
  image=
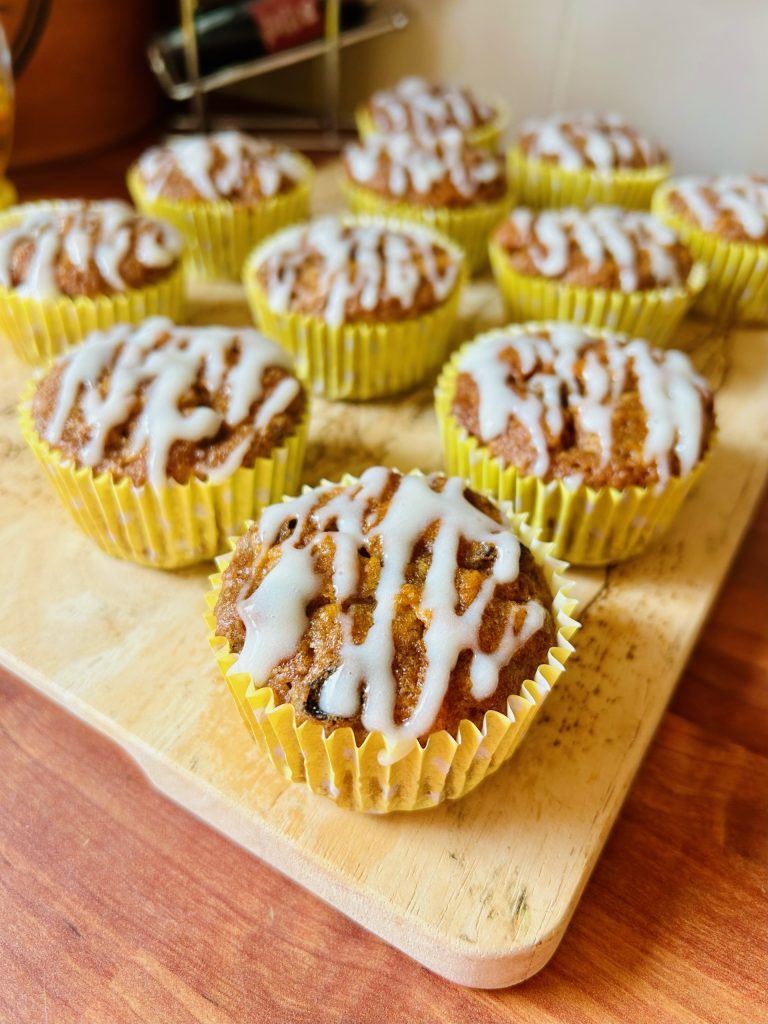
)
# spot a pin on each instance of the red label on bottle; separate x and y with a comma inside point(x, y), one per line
point(286, 23)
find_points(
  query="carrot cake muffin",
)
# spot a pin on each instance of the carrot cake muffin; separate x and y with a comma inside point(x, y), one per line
point(416, 105)
point(585, 159)
point(135, 411)
point(225, 192)
point(367, 304)
point(395, 604)
point(83, 248)
point(562, 403)
point(724, 220)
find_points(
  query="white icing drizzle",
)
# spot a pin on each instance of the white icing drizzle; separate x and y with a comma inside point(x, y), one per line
point(366, 259)
point(669, 389)
point(414, 104)
point(745, 197)
point(606, 141)
point(216, 165)
point(275, 615)
point(83, 232)
point(599, 233)
point(161, 362)
point(422, 162)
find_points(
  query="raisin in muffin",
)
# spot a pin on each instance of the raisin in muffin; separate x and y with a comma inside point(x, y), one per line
point(724, 221)
point(367, 304)
point(604, 266)
point(619, 426)
point(583, 160)
point(225, 192)
point(168, 422)
point(68, 266)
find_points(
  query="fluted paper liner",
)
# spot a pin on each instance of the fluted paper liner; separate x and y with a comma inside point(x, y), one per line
point(7, 193)
point(586, 526)
point(221, 234)
point(737, 288)
point(487, 136)
point(446, 767)
point(172, 526)
point(653, 314)
point(467, 226)
point(359, 360)
point(41, 329)
point(541, 185)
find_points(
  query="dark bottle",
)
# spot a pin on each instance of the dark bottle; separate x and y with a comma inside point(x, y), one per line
point(242, 32)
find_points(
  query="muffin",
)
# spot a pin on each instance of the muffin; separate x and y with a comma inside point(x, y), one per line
point(163, 440)
point(724, 222)
point(597, 436)
point(225, 192)
point(68, 268)
point(420, 107)
point(585, 160)
point(439, 180)
point(367, 305)
point(419, 629)
point(605, 266)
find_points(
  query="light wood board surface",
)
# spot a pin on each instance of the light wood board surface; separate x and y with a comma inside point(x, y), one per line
point(480, 891)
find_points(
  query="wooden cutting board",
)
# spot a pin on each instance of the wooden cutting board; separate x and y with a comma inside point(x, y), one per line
point(479, 891)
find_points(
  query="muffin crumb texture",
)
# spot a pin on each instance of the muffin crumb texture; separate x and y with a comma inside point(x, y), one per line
point(735, 207)
point(159, 402)
point(397, 604)
point(224, 165)
point(588, 141)
point(417, 106)
point(426, 170)
point(365, 271)
point(79, 248)
point(560, 403)
point(605, 247)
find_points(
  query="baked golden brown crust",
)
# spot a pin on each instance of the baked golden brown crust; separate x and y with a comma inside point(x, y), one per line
point(734, 207)
point(298, 678)
point(224, 165)
point(434, 171)
point(604, 247)
point(199, 456)
point(561, 392)
point(357, 272)
point(588, 141)
point(81, 248)
point(415, 105)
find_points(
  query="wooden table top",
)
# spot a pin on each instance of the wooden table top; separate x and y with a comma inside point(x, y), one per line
point(115, 905)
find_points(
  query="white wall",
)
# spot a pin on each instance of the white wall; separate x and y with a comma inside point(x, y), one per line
point(692, 73)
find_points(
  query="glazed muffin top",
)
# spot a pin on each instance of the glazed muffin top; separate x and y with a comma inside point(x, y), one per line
point(415, 105)
point(397, 604)
point(158, 402)
point(592, 141)
point(364, 270)
point(426, 170)
point(735, 207)
point(605, 247)
point(562, 403)
point(223, 165)
point(84, 248)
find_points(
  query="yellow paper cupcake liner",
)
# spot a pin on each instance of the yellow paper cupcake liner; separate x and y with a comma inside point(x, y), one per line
point(653, 314)
point(40, 329)
point(540, 184)
point(173, 526)
point(470, 227)
point(737, 288)
point(358, 360)
point(220, 235)
point(446, 767)
point(487, 136)
point(586, 526)
point(7, 193)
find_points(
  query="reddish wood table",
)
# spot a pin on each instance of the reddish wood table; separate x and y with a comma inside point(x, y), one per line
point(117, 906)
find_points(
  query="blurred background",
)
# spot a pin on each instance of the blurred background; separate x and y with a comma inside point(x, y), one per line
point(692, 73)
